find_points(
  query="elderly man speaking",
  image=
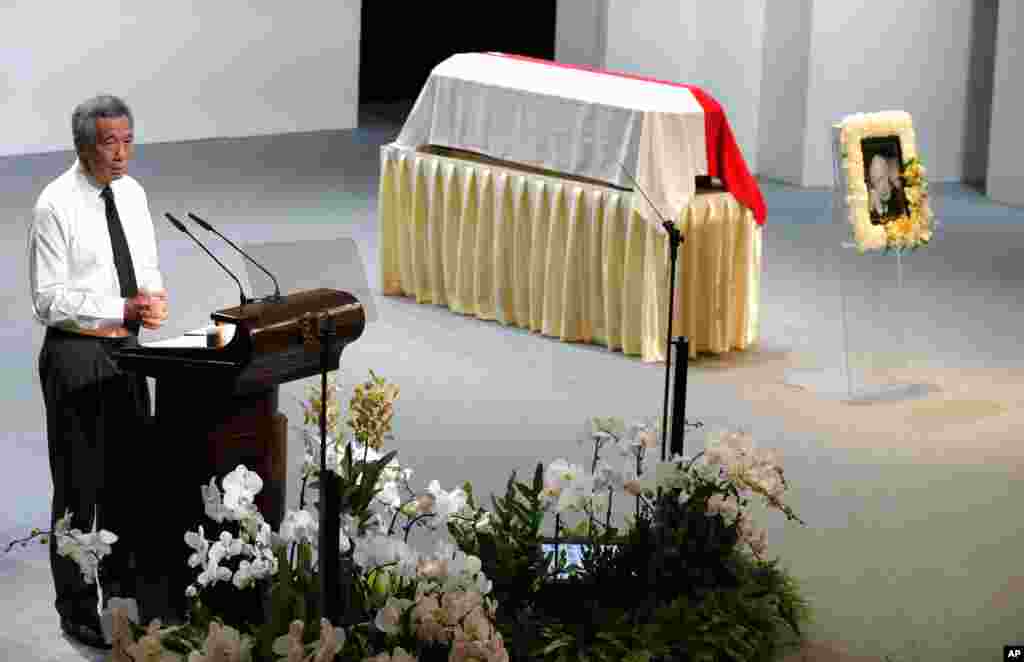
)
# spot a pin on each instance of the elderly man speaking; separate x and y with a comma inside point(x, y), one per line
point(94, 282)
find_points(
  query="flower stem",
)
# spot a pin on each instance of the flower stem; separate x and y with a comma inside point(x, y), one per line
point(22, 541)
point(608, 518)
point(394, 518)
point(99, 589)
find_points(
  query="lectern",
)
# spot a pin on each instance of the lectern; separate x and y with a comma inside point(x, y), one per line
point(217, 407)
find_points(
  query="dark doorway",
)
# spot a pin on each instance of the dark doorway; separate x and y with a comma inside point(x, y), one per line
point(400, 44)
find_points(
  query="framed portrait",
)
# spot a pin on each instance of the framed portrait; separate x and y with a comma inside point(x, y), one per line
point(881, 181)
point(883, 177)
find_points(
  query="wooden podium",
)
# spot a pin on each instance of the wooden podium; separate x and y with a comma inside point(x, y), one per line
point(217, 407)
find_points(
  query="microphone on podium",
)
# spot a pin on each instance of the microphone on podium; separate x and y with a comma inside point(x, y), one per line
point(178, 224)
point(276, 296)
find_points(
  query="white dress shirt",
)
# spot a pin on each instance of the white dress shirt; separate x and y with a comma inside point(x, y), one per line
point(72, 277)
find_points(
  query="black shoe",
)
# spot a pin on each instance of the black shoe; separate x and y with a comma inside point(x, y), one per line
point(90, 635)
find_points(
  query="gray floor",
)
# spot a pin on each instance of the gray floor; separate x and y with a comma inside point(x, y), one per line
point(913, 536)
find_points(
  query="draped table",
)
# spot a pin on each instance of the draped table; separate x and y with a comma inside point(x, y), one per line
point(564, 257)
point(508, 195)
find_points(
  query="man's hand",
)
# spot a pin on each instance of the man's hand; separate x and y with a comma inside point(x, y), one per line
point(135, 307)
point(155, 313)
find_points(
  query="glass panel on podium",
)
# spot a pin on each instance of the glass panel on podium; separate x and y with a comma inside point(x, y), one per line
point(311, 264)
point(196, 286)
point(306, 265)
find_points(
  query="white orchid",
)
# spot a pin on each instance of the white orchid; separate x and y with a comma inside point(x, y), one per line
point(265, 536)
point(449, 569)
point(612, 425)
point(213, 502)
point(85, 549)
point(226, 547)
point(575, 495)
point(747, 467)
point(606, 477)
point(393, 472)
point(240, 488)
point(375, 550)
point(558, 476)
point(311, 461)
point(390, 495)
point(598, 502)
point(248, 573)
point(243, 577)
point(198, 542)
point(299, 526)
point(446, 504)
point(213, 573)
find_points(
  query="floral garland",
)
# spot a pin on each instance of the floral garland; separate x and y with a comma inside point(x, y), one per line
point(908, 232)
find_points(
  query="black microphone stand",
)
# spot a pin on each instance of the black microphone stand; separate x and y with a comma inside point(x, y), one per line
point(675, 238)
point(276, 296)
point(180, 226)
point(331, 595)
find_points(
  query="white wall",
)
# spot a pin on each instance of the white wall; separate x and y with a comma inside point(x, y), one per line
point(1005, 174)
point(189, 69)
point(714, 45)
point(580, 32)
point(980, 82)
point(911, 55)
point(782, 117)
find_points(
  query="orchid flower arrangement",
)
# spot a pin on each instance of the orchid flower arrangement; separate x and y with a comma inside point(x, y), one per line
point(726, 476)
point(413, 606)
point(87, 550)
point(375, 537)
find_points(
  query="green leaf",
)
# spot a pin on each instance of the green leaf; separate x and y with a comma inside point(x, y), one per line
point(383, 462)
point(555, 645)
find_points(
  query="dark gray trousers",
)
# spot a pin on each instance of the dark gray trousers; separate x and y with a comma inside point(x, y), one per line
point(97, 424)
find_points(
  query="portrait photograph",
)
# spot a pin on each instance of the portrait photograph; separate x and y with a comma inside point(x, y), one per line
point(883, 176)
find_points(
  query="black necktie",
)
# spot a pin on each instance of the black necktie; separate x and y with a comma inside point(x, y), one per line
point(122, 256)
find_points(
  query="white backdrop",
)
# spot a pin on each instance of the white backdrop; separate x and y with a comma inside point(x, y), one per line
point(786, 69)
point(782, 116)
point(580, 32)
point(715, 45)
point(870, 55)
point(189, 69)
point(1005, 176)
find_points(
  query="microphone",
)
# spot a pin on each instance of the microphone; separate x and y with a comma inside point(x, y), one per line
point(178, 224)
point(669, 226)
point(276, 296)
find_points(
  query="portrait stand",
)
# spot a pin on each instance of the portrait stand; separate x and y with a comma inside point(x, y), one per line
point(873, 318)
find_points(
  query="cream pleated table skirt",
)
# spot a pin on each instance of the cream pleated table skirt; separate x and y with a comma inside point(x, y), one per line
point(566, 258)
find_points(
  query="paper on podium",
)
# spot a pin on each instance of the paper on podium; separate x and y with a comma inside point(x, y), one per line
point(197, 338)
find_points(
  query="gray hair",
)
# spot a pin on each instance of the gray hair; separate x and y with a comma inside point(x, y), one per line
point(83, 119)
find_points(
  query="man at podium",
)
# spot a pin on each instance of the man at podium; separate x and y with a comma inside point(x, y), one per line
point(94, 280)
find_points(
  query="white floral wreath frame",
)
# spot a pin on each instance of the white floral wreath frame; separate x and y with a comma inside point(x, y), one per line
point(852, 130)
